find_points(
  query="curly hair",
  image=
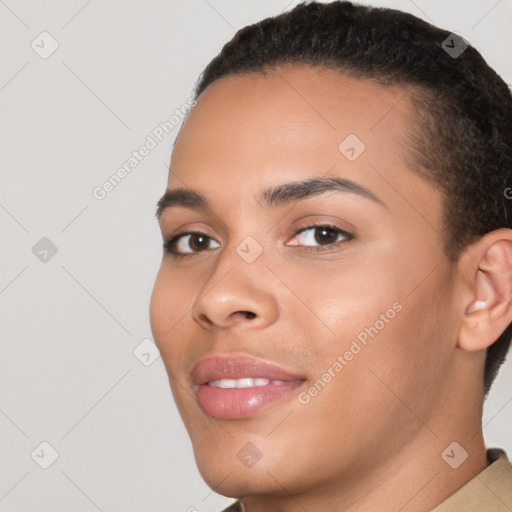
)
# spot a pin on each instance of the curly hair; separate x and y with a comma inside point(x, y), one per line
point(463, 138)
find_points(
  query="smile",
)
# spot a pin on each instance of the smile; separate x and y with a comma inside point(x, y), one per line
point(235, 386)
point(247, 382)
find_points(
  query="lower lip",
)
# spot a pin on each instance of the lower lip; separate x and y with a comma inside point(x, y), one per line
point(236, 403)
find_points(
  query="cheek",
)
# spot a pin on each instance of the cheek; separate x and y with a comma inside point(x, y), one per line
point(169, 314)
point(169, 307)
point(403, 364)
point(381, 319)
point(362, 379)
point(339, 301)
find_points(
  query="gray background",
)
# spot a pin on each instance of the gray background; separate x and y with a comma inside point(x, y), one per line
point(70, 323)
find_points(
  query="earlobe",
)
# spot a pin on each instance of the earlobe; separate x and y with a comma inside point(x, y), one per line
point(489, 311)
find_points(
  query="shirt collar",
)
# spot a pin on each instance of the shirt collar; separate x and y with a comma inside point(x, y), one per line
point(489, 491)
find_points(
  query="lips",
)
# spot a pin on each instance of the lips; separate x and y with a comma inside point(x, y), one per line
point(236, 386)
point(229, 366)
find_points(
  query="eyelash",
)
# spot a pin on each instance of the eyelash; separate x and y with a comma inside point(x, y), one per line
point(170, 244)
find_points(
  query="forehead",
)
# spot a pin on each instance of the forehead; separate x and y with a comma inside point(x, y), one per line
point(250, 131)
point(292, 104)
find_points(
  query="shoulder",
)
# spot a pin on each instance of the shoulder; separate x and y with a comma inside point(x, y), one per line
point(489, 491)
point(234, 507)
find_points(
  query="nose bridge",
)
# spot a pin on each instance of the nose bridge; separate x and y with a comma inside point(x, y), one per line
point(236, 290)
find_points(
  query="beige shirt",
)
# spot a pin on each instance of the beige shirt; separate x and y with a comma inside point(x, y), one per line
point(489, 491)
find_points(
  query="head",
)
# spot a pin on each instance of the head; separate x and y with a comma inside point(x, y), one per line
point(342, 213)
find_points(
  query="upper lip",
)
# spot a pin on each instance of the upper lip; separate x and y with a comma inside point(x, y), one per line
point(237, 366)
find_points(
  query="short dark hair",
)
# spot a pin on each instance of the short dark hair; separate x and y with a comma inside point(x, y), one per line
point(463, 137)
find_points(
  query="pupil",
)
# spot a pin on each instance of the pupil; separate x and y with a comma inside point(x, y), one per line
point(198, 242)
point(327, 235)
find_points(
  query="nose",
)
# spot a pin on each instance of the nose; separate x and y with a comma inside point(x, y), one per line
point(238, 296)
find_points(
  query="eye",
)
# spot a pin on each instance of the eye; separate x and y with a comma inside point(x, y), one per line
point(320, 236)
point(189, 243)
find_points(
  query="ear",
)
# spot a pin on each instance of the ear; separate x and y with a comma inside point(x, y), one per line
point(487, 265)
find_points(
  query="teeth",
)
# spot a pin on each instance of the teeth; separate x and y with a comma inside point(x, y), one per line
point(247, 382)
point(223, 383)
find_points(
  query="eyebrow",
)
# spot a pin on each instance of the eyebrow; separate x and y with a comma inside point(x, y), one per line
point(273, 197)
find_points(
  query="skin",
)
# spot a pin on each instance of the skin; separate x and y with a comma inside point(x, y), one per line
point(372, 438)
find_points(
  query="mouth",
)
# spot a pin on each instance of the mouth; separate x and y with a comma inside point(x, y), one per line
point(232, 386)
point(246, 382)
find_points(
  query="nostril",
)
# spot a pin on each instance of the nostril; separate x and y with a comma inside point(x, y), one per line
point(249, 314)
point(205, 319)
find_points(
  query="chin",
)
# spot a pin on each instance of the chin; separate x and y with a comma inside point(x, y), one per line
point(233, 480)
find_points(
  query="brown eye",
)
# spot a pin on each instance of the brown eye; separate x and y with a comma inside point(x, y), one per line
point(190, 243)
point(198, 242)
point(321, 235)
point(325, 235)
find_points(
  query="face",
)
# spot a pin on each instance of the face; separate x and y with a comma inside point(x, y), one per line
point(303, 283)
